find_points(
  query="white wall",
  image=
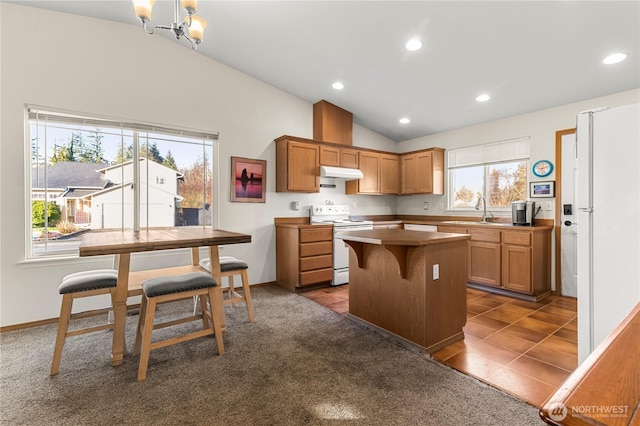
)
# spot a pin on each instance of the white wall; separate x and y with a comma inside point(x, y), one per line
point(540, 126)
point(115, 70)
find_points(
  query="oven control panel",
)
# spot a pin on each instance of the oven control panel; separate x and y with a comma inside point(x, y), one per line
point(329, 210)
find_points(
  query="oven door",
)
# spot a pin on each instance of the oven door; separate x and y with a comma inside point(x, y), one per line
point(341, 254)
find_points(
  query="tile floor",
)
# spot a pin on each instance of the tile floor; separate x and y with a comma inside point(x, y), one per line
point(527, 349)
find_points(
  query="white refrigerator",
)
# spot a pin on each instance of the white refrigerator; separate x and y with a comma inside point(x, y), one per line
point(608, 198)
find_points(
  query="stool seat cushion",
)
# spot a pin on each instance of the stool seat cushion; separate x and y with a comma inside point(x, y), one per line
point(227, 264)
point(177, 283)
point(89, 280)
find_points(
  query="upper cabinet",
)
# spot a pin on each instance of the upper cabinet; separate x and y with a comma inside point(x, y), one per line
point(423, 172)
point(381, 174)
point(332, 123)
point(297, 165)
point(389, 174)
point(331, 155)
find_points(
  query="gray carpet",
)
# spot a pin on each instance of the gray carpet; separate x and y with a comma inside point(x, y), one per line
point(299, 364)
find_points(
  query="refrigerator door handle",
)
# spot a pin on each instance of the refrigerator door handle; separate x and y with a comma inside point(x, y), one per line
point(586, 209)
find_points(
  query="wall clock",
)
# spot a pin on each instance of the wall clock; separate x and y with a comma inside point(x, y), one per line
point(542, 168)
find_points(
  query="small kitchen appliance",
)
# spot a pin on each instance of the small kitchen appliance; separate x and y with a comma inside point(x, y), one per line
point(523, 212)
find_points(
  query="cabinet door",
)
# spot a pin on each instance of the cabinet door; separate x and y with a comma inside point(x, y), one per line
point(424, 172)
point(516, 268)
point(389, 174)
point(349, 158)
point(303, 161)
point(370, 166)
point(408, 174)
point(484, 263)
point(329, 156)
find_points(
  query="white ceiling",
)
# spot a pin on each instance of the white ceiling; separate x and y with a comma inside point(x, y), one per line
point(527, 55)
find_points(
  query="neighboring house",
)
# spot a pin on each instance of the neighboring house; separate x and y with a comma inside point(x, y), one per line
point(159, 193)
point(97, 194)
point(68, 184)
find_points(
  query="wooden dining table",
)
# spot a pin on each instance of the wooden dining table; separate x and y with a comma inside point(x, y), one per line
point(122, 243)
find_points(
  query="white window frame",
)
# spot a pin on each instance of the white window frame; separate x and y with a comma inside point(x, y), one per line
point(485, 155)
point(70, 118)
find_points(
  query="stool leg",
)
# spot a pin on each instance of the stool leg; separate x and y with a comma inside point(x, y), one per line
point(146, 338)
point(203, 310)
point(247, 295)
point(140, 327)
point(63, 325)
point(232, 288)
point(214, 303)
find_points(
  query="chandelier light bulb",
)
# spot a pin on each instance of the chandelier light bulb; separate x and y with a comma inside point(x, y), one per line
point(196, 29)
point(143, 8)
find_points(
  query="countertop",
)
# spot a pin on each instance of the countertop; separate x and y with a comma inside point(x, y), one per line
point(400, 237)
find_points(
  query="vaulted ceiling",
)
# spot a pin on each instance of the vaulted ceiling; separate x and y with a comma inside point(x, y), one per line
point(527, 55)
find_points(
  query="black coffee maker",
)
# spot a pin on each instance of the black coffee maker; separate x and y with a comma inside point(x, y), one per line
point(523, 212)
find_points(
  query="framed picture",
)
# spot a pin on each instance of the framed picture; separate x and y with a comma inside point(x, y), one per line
point(542, 189)
point(248, 180)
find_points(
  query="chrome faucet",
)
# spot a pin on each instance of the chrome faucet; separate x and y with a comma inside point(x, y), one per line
point(485, 216)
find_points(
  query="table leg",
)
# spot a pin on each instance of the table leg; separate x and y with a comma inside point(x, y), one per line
point(120, 309)
point(214, 258)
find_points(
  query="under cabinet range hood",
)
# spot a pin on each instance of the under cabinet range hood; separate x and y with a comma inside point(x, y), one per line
point(340, 172)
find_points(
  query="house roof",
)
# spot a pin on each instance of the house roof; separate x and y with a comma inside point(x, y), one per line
point(65, 174)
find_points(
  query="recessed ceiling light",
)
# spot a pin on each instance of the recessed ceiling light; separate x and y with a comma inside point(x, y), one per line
point(614, 58)
point(413, 45)
point(405, 120)
point(483, 98)
point(337, 85)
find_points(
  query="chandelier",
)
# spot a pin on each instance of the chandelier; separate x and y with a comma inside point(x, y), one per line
point(192, 24)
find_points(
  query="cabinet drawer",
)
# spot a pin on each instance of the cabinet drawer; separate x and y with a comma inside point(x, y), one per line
point(488, 235)
point(317, 276)
point(519, 238)
point(308, 235)
point(316, 262)
point(452, 229)
point(315, 249)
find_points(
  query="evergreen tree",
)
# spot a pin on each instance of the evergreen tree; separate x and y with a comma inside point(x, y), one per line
point(93, 151)
point(169, 161)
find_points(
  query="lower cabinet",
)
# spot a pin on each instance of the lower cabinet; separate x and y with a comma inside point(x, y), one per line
point(484, 263)
point(514, 262)
point(304, 255)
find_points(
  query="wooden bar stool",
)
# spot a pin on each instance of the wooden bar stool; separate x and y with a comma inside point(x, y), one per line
point(169, 289)
point(230, 267)
point(76, 286)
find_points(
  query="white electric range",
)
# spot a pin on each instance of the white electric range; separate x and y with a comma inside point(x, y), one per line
point(338, 216)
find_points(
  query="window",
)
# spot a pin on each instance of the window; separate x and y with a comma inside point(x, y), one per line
point(90, 174)
point(496, 171)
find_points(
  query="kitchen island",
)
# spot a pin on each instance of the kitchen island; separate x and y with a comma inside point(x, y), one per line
point(411, 284)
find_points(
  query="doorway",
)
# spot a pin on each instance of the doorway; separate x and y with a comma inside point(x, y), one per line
point(565, 219)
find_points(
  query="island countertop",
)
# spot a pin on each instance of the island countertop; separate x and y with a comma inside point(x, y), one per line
point(400, 237)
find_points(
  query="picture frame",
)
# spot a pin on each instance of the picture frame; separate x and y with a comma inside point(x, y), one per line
point(248, 180)
point(542, 189)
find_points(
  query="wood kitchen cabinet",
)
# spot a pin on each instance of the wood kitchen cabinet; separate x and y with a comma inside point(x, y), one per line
point(513, 261)
point(338, 157)
point(389, 174)
point(297, 165)
point(381, 174)
point(484, 259)
point(423, 172)
point(369, 165)
point(304, 255)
